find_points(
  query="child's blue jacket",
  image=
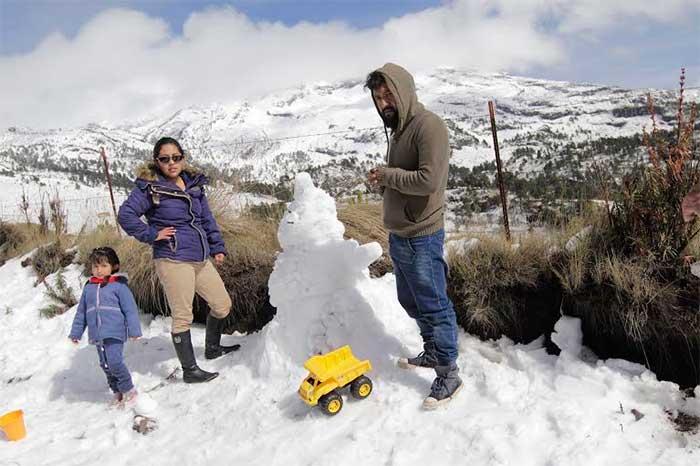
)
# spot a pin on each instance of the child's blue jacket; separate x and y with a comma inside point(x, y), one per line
point(108, 310)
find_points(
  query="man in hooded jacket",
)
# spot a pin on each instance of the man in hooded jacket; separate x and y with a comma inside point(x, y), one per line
point(413, 183)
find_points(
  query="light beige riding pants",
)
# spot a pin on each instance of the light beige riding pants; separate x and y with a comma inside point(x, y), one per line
point(181, 280)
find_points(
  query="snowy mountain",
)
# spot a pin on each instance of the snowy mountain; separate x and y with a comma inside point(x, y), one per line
point(332, 131)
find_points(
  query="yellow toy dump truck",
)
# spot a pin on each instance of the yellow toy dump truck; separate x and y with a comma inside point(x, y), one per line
point(330, 372)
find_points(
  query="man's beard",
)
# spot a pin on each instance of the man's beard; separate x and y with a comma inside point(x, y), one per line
point(390, 117)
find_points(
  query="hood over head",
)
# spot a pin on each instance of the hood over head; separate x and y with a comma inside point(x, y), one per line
point(401, 84)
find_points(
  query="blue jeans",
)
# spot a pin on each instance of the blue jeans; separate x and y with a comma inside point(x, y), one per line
point(110, 352)
point(421, 284)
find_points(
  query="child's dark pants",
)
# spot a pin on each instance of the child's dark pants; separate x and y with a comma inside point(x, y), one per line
point(111, 352)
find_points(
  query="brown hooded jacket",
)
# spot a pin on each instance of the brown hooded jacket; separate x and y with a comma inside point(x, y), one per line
point(415, 177)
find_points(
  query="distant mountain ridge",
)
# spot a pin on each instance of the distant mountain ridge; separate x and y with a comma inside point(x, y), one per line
point(333, 131)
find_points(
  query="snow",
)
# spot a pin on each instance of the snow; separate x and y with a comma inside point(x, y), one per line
point(519, 406)
point(460, 246)
point(568, 336)
point(573, 243)
point(695, 268)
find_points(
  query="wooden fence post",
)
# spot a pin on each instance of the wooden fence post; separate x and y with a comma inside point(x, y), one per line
point(501, 185)
point(111, 193)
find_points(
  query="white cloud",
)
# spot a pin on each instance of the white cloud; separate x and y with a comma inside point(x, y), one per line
point(594, 15)
point(124, 64)
point(591, 16)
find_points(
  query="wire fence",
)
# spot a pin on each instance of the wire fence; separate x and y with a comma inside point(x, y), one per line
point(86, 211)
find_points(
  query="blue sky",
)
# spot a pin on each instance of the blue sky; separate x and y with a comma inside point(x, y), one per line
point(628, 43)
point(26, 22)
point(645, 54)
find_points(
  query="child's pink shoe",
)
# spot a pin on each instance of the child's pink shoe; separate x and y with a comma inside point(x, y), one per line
point(116, 401)
point(129, 399)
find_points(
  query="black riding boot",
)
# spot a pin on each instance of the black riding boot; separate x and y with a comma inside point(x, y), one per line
point(191, 373)
point(212, 341)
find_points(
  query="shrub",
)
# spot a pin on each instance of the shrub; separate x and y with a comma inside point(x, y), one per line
point(61, 293)
point(17, 239)
point(43, 219)
point(646, 218)
point(52, 310)
point(58, 215)
point(11, 238)
point(269, 212)
point(49, 259)
point(631, 284)
point(500, 289)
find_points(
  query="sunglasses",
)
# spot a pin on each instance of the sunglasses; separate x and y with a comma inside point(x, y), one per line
point(167, 158)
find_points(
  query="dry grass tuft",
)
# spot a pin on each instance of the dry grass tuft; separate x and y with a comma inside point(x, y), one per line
point(501, 289)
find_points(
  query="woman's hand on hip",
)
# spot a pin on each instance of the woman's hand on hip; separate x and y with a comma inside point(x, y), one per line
point(165, 233)
point(219, 258)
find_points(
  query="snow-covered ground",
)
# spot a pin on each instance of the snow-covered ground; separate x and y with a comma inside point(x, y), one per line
point(519, 406)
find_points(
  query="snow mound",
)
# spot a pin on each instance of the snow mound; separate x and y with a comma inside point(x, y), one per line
point(568, 336)
point(319, 286)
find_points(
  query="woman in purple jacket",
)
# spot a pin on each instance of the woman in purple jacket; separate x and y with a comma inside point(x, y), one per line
point(184, 235)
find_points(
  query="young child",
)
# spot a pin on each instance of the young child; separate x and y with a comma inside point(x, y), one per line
point(108, 309)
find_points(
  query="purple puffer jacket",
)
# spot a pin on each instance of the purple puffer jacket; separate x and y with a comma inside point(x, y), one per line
point(165, 205)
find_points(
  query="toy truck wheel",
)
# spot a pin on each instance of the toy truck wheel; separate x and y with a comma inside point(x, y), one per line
point(331, 403)
point(361, 387)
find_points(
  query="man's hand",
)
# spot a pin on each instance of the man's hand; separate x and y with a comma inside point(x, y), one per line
point(134, 338)
point(219, 258)
point(165, 233)
point(691, 205)
point(75, 342)
point(375, 176)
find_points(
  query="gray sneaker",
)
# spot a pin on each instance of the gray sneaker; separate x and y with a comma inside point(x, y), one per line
point(445, 386)
point(426, 358)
